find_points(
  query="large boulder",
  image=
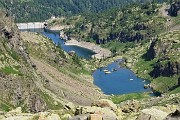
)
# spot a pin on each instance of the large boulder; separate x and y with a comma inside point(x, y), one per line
point(174, 115)
point(130, 106)
point(96, 117)
point(80, 117)
point(146, 117)
point(174, 8)
point(104, 103)
point(152, 114)
point(43, 115)
point(70, 106)
point(66, 116)
point(109, 117)
point(53, 117)
point(105, 112)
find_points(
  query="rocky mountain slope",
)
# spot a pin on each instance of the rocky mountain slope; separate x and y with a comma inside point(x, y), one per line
point(133, 23)
point(37, 75)
point(157, 61)
point(40, 81)
point(17, 74)
point(144, 35)
point(60, 72)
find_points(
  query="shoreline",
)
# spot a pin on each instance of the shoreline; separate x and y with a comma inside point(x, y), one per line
point(100, 52)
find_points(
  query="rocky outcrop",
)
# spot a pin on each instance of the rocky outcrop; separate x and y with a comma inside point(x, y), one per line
point(70, 106)
point(174, 115)
point(174, 8)
point(104, 103)
point(80, 117)
point(17, 74)
point(18, 115)
point(36, 104)
point(166, 69)
point(166, 108)
point(152, 114)
point(94, 113)
point(163, 50)
point(150, 54)
point(130, 106)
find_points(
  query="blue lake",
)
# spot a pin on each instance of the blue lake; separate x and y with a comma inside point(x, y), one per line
point(54, 36)
point(119, 81)
point(81, 52)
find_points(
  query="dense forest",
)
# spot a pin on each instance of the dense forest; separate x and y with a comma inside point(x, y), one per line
point(40, 10)
point(132, 23)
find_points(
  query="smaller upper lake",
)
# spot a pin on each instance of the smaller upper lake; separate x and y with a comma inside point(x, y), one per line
point(54, 36)
point(81, 52)
point(116, 80)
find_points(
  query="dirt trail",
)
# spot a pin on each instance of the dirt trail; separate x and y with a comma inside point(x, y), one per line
point(80, 92)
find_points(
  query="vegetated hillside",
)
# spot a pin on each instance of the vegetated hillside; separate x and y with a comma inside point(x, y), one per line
point(37, 75)
point(40, 10)
point(134, 23)
point(140, 34)
point(17, 75)
point(157, 61)
point(65, 75)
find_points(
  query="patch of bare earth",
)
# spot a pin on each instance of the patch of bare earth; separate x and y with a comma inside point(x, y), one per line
point(78, 92)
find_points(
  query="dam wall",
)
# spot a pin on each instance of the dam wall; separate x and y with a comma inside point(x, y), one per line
point(31, 25)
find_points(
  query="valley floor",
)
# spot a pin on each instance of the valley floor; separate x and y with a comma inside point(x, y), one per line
point(65, 84)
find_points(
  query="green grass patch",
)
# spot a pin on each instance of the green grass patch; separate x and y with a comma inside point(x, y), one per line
point(164, 84)
point(11, 52)
point(10, 70)
point(120, 98)
point(4, 106)
point(14, 55)
point(50, 101)
point(176, 90)
point(116, 46)
point(144, 67)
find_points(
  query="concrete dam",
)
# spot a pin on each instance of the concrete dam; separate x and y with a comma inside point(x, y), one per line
point(31, 25)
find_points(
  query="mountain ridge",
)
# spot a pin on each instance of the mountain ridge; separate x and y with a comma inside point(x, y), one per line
point(40, 10)
point(41, 81)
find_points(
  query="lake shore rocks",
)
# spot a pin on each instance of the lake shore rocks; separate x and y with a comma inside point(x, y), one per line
point(100, 52)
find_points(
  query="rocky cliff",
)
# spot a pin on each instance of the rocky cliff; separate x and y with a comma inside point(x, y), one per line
point(16, 72)
point(166, 52)
point(37, 75)
point(174, 8)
